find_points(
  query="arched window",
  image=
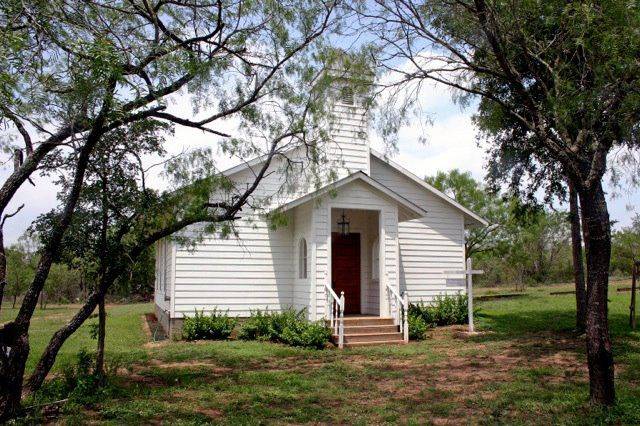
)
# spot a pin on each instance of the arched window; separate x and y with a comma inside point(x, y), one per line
point(302, 259)
point(375, 260)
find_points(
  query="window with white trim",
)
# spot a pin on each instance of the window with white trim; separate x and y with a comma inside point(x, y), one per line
point(159, 268)
point(302, 259)
point(168, 265)
point(375, 260)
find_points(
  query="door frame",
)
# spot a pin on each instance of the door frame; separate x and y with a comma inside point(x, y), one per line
point(382, 282)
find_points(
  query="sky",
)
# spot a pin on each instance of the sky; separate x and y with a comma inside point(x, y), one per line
point(450, 144)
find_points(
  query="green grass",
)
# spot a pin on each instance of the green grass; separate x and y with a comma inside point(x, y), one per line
point(124, 340)
point(528, 368)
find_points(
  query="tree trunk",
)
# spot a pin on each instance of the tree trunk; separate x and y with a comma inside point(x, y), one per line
point(49, 355)
point(14, 350)
point(632, 306)
point(578, 266)
point(597, 240)
point(14, 337)
point(3, 268)
point(103, 268)
point(102, 318)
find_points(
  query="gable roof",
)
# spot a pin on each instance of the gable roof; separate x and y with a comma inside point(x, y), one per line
point(471, 218)
point(357, 176)
point(475, 220)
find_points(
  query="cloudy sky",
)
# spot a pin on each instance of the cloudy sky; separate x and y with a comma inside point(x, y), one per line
point(450, 143)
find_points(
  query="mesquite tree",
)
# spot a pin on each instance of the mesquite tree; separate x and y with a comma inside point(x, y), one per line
point(577, 259)
point(114, 196)
point(463, 188)
point(559, 79)
point(72, 71)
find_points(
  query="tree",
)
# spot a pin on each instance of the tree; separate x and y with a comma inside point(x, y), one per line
point(626, 255)
point(72, 71)
point(555, 80)
point(525, 242)
point(21, 265)
point(577, 259)
point(626, 246)
point(19, 272)
point(467, 191)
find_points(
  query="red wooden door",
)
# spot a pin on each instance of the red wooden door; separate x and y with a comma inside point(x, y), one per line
point(345, 269)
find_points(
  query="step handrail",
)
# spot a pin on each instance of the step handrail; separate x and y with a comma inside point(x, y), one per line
point(335, 313)
point(401, 303)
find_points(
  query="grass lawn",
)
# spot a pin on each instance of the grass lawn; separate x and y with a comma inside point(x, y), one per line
point(528, 368)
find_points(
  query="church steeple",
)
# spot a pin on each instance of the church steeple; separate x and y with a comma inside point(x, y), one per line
point(349, 148)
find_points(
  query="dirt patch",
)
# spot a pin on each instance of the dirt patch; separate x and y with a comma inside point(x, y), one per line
point(449, 387)
point(210, 412)
point(212, 367)
point(470, 369)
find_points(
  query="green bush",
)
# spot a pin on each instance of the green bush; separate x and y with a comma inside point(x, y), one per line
point(290, 327)
point(78, 382)
point(450, 310)
point(417, 327)
point(444, 310)
point(306, 335)
point(215, 326)
point(256, 327)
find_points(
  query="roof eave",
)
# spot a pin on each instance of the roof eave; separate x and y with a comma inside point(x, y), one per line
point(475, 220)
point(410, 206)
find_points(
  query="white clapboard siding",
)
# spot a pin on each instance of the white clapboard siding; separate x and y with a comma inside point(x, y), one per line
point(429, 245)
point(250, 272)
point(302, 224)
point(349, 149)
point(260, 268)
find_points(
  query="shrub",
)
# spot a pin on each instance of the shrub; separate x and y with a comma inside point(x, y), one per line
point(445, 310)
point(215, 326)
point(417, 327)
point(290, 327)
point(306, 335)
point(78, 382)
point(256, 327)
point(449, 310)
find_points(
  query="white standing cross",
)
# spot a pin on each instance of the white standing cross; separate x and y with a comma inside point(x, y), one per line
point(469, 272)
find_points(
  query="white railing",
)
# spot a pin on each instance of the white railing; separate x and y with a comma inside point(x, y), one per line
point(335, 313)
point(399, 309)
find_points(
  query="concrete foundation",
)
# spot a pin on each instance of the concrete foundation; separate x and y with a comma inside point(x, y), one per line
point(171, 326)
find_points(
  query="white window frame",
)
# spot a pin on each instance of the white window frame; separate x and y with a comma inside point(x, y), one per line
point(303, 266)
point(375, 259)
point(166, 270)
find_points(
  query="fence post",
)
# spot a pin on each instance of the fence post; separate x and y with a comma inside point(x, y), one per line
point(341, 329)
point(632, 306)
point(470, 294)
point(405, 318)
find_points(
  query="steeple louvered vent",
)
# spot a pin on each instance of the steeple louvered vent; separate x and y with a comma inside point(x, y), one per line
point(347, 96)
